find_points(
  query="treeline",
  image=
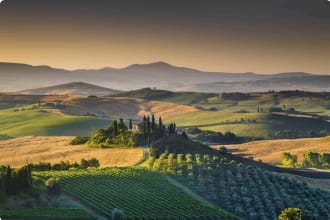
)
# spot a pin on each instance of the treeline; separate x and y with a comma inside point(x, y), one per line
point(235, 96)
point(290, 134)
point(45, 166)
point(310, 160)
point(15, 181)
point(215, 137)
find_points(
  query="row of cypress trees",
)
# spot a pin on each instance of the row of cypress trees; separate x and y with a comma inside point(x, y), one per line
point(153, 131)
point(15, 181)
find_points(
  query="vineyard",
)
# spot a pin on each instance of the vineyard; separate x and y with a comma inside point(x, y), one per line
point(141, 194)
point(47, 214)
point(250, 192)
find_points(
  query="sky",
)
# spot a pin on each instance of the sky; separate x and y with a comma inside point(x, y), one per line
point(262, 36)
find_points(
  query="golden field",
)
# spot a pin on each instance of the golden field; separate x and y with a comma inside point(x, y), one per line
point(20, 151)
point(269, 151)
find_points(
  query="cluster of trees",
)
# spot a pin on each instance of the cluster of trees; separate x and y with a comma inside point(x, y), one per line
point(299, 134)
point(310, 160)
point(14, 181)
point(45, 166)
point(153, 131)
point(116, 134)
point(289, 160)
point(316, 160)
point(215, 137)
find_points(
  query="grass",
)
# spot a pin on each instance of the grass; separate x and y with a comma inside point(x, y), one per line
point(17, 152)
point(269, 151)
point(225, 121)
point(261, 125)
point(140, 193)
point(36, 122)
point(47, 214)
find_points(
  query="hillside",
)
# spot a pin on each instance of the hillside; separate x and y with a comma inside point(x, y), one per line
point(186, 98)
point(158, 74)
point(294, 81)
point(269, 151)
point(21, 115)
point(71, 89)
point(17, 152)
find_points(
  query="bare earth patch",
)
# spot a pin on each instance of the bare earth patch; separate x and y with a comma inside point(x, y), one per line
point(20, 151)
point(269, 151)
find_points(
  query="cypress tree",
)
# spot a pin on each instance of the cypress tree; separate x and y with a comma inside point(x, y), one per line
point(130, 124)
point(153, 122)
point(160, 128)
point(148, 127)
point(8, 180)
point(144, 127)
point(115, 128)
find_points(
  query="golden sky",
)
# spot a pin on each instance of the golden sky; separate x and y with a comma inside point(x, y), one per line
point(214, 35)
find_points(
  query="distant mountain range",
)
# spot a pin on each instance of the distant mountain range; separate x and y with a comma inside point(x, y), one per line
point(18, 77)
point(72, 89)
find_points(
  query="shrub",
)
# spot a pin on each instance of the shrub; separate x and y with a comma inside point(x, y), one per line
point(118, 214)
point(53, 186)
point(290, 214)
point(289, 159)
point(79, 141)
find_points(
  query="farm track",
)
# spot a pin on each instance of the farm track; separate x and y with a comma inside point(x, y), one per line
point(83, 206)
point(189, 192)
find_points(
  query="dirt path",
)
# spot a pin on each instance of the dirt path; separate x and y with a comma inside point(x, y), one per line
point(145, 157)
point(79, 204)
point(189, 192)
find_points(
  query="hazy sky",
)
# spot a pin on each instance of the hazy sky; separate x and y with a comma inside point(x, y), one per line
point(263, 36)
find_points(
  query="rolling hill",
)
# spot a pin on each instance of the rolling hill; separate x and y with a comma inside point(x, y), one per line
point(72, 89)
point(292, 81)
point(269, 151)
point(159, 74)
point(21, 115)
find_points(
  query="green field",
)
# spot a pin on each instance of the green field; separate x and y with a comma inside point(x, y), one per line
point(35, 122)
point(248, 191)
point(238, 112)
point(141, 194)
point(46, 214)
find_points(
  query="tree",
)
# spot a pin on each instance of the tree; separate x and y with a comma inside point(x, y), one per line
point(144, 126)
point(115, 128)
point(160, 128)
point(93, 163)
point(84, 164)
point(290, 214)
point(289, 159)
point(118, 214)
point(223, 150)
point(121, 125)
point(184, 135)
point(153, 122)
point(130, 126)
point(311, 159)
point(53, 186)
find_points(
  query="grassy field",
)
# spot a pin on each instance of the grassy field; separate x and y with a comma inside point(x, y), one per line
point(39, 122)
point(269, 151)
point(17, 152)
point(80, 116)
point(141, 194)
